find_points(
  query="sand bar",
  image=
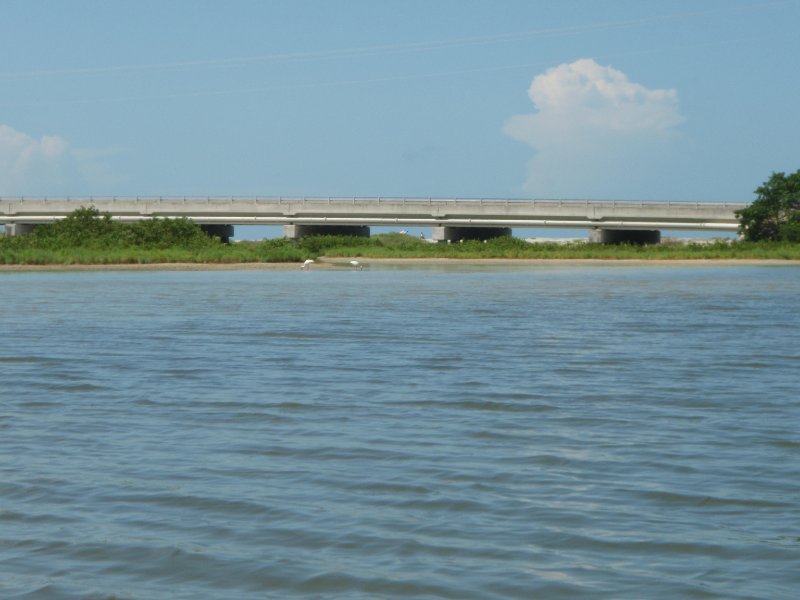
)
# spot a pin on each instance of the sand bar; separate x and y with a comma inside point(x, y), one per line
point(343, 263)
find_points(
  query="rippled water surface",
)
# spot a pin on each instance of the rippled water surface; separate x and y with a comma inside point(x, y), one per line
point(428, 432)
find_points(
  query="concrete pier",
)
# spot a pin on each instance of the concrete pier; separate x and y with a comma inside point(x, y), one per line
point(15, 229)
point(449, 233)
point(624, 236)
point(295, 232)
point(223, 232)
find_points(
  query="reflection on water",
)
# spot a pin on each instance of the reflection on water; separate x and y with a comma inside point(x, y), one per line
point(443, 432)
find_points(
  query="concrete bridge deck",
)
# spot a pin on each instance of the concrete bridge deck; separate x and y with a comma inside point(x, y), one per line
point(389, 211)
point(608, 221)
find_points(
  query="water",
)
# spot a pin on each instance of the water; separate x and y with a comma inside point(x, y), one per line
point(439, 432)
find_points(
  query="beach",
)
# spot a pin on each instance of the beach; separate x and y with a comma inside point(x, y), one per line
point(340, 262)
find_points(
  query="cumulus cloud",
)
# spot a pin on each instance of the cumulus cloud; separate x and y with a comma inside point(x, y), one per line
point(48, 165)
point(591, 127)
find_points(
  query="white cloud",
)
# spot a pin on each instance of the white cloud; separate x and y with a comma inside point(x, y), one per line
point(593, 129)
point(49, 166)
point(28, 165)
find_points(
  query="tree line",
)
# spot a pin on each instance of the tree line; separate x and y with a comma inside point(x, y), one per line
point(87, 227)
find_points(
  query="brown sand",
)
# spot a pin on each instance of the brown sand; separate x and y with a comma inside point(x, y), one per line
point(339, 263)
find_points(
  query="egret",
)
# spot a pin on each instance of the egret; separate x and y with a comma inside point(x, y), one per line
point(357, 265)
point(307, 264)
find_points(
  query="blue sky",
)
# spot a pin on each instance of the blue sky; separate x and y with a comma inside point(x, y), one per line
point(617, 99)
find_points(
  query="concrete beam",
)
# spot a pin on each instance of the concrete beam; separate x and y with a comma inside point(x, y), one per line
point(448, 233)
point(295, 232)
point(624, 236)
point(394, 212)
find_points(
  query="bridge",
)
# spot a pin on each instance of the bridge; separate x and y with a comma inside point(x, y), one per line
point(449, 218)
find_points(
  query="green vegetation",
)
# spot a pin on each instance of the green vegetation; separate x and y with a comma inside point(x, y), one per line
point(87, 236)
point(775, 214)
point(403, 246)
point(89, 229)
point(90, 237)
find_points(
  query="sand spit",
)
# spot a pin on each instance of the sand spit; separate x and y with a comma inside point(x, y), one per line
point(636, 262)
point(159, 267)
point(328, 263)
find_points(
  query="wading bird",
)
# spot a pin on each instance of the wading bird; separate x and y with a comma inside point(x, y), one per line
point(307, 264)
point(357, 265)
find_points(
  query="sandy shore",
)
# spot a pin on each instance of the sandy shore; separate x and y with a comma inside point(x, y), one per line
point(342, 263)
point(159, 267)
point(564, 261)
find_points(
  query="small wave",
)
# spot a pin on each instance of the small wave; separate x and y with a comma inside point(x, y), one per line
point(30, 360)
point(789, 444)
point(18, 517)
point(329, 582)
point(36, 404)
point(450, 505)
point(327, 453)
point(51, 591)
point(493, 405)
point(75, 388)
point(284, 335)
point(393, 489)
point(185, 373)
point(706, 501)
point(199, 503)
point(255, 407)
point(48, 492)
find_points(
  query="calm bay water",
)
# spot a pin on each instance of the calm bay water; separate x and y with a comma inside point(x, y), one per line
point(426, 432)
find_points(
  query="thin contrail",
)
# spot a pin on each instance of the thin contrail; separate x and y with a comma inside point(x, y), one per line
point(368, 51)
point(367, 81)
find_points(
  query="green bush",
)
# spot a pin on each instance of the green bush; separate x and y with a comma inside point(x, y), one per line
point(84, 227)
point(89, 228)
point(89, 237)
point(790, 232)
point(167, 233)
point(318, 244)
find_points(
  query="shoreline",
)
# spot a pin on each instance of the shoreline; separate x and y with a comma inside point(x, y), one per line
point(329, 263)
point(682, 262)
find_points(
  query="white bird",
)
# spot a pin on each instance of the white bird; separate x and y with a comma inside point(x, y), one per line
point(357, 265)
point(403, 232)
point(307, 264)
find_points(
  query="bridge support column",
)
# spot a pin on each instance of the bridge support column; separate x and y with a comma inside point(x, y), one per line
point(624, 236)
point(15, 229)
point(294, 232)
point(449, 233)
point(223, 232)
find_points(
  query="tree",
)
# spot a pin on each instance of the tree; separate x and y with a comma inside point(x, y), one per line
point(169, 233)
point(775, 213)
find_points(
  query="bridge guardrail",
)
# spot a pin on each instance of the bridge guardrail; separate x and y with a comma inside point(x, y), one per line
point(380, 200)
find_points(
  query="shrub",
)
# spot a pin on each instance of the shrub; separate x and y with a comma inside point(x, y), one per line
point(167, 233)
point(790, 232)
point(83, 227)
point(777, 204)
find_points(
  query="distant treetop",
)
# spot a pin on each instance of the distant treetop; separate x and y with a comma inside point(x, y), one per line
point(775, 213)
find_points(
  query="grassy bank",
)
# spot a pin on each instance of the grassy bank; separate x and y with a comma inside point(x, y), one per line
point(88, 237)
point(399, 246)
point(216, 252)
point(32, 251)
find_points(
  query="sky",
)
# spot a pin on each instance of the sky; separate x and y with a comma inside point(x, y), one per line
point(691, 100)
